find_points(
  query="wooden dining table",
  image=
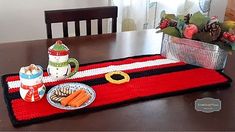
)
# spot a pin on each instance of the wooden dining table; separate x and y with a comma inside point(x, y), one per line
point(166, 113)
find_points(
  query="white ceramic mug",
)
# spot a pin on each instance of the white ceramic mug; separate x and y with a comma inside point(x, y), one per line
point(31, 88)
point(59, 62)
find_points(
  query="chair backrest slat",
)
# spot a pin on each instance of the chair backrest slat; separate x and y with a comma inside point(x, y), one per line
point(65, 29)
point(88, 27)
point(114, 25)
point(49, 32)
point(100, 26)
point(77, 28)
point(77, 15)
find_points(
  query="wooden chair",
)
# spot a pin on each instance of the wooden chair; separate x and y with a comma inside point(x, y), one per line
point(77, 15)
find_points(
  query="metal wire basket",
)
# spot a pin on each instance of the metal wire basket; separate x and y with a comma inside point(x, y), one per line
point(194, 52)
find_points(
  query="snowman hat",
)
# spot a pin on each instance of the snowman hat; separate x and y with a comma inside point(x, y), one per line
point(58, 49)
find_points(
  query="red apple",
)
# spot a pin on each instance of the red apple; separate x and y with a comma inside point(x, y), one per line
point(164, 24)
point(190, 30)
point(226, 35)
point(232, 38)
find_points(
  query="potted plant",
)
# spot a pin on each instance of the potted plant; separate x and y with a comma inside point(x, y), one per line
point(197, 39)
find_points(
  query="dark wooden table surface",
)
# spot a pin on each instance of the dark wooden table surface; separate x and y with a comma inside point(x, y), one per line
point(168, 113)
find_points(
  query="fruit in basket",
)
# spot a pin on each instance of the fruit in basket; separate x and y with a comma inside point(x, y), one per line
point(165, 23)
point(227, 25)
point(232, 38)
point(229, 36)
point(200, 28)
point(190, 30)
point(226, 35)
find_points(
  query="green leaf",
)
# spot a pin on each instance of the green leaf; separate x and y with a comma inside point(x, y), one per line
point(180, 17)
point(163, 15)
point(199, 20)
point(180, 26)
point(203, 36)
point(171, 31)
point(233, 46)
point(170, 16)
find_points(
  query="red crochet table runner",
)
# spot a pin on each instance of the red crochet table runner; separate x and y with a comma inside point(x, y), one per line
point(150, 77)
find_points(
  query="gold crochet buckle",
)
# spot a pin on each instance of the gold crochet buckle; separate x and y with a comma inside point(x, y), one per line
point(117, 77)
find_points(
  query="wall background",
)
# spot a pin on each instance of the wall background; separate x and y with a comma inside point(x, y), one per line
point(22, 20)
point(217, 8)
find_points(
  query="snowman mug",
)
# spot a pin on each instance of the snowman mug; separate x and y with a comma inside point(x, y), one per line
point(59, 62)
point(32, 88)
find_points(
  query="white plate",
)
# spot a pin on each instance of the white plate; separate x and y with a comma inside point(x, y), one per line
point(73, 86)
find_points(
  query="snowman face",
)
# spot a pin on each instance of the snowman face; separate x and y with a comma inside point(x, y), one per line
point(58, 59)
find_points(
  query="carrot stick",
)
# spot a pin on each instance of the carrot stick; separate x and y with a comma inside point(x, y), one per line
point(78, 97)
point(82, 100)
point(66, 100)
